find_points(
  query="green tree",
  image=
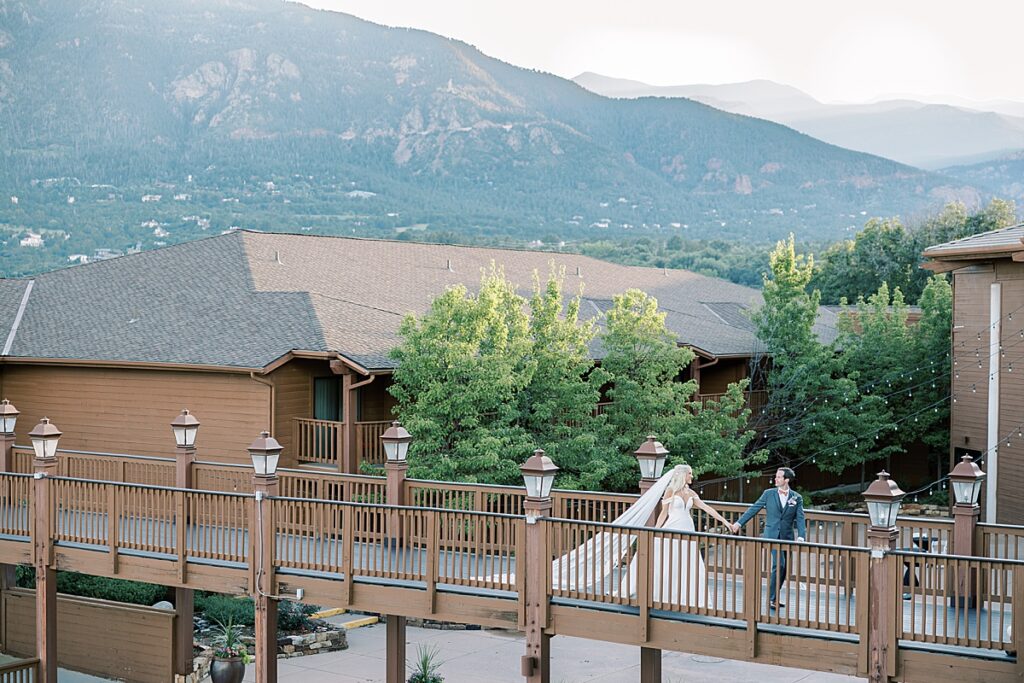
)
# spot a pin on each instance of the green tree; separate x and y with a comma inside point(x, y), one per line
point(886, 251)
point(557, 404)
point(460, 371)
point(644, 364)
point(815, 412)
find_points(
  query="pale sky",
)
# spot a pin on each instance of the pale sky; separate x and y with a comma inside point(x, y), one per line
point(834, 51)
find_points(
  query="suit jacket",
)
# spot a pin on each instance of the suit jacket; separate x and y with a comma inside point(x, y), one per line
point(780, 518)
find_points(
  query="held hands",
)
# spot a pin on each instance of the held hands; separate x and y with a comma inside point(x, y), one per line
point(734, 527)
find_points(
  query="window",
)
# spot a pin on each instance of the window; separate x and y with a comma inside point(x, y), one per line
point(327, 398)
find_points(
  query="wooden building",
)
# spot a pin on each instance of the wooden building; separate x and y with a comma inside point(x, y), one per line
point(987, 410)
point(253, 330)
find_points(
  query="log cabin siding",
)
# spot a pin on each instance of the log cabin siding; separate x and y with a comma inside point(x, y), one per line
point(108, 639)
point(122, 410)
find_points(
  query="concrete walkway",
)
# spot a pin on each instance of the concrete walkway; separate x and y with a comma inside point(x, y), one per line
point(493, 657)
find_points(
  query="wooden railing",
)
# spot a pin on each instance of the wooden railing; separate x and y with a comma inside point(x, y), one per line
point(755, 400)
point(399, 543)
point(16, 504)
point(118, 517)
point(368, 444)
point(945, 601)
point(21, 671)
point(999, 541)
point(711, 575)
point(317, 441)
point(135, 469)
point(960, 601)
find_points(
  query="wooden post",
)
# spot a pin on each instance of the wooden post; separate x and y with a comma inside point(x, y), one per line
point(395, 649)
point(965, 524)
point(7, 571)
point(650, 665)
point(349, 456)
point(6, 452)
point(396, 624)
point(881, 632)
point(184, 598)
point(46, 575)
point(265, 486)
point(536, 663)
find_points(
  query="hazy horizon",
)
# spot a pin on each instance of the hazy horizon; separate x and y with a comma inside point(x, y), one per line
point(932, 51)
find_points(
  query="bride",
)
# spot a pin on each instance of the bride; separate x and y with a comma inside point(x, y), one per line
point(680, 577)
point(678, 566)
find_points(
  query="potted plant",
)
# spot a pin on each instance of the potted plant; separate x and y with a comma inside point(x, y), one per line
point(229, 654)
point(424, 668)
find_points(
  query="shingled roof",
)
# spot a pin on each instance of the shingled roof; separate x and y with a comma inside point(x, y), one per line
point(1004, 241)
point(244, 299)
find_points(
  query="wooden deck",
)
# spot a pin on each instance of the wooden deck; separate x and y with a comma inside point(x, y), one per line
point(462, 565)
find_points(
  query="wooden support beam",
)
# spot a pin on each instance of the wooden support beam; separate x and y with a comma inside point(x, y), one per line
point(395, 649)
point(536, 663)
point(266, 487)
point(650, 665)
point(349, 460)
point(46, 575)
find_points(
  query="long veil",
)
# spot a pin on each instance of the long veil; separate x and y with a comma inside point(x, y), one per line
point(589, 564)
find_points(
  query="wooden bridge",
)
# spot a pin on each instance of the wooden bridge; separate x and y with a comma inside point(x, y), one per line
point(485, 555)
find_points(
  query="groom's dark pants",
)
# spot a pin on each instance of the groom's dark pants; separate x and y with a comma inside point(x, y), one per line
point(779, 573)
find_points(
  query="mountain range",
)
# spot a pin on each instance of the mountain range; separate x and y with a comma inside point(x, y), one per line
point(925, 134)
point(132, 123)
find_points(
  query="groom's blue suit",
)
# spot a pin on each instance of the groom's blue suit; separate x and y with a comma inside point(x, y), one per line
point(780, 521)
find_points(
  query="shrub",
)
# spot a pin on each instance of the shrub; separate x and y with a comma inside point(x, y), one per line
point(295, 616)
point(226, 609)
point(84, 585)
point(424, 667)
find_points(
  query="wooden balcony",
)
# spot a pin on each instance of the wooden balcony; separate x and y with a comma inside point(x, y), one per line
point(756, 400)
point(320, 442)
point(457, 559)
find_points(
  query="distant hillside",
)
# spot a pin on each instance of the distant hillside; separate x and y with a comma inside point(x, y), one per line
point(139, 122)
point(1005, 175)
point(912, 132)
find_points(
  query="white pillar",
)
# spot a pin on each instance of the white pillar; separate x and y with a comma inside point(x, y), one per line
point(994, 367)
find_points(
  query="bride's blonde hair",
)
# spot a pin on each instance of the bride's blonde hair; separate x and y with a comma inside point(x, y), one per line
point(678, 481)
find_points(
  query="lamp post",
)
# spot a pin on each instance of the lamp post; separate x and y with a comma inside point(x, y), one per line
point(265, 453)
point(8, 418)
point(883, 498)
point(44, 437)
point(396, 442)
point(538, 476)
point(185, 428)
point(651, 456)
point(396, 448)
point(965, 479)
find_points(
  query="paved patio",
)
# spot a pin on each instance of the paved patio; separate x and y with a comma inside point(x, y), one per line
point(493, 657)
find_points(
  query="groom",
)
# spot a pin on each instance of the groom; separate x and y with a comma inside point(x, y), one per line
point(784, 510)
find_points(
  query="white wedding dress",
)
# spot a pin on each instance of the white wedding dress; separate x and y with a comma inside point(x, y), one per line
point(680, 578)
point(594, 567)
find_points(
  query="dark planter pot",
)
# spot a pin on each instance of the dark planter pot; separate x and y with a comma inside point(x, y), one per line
point(230, 670)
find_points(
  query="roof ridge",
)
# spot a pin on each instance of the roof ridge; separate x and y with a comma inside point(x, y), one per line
point(480, 247)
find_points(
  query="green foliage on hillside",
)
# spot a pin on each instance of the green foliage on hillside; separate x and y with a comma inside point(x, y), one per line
point(886, 251)
point(321, 122)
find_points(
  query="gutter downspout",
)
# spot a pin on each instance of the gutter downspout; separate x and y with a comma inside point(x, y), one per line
point(273, 397)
